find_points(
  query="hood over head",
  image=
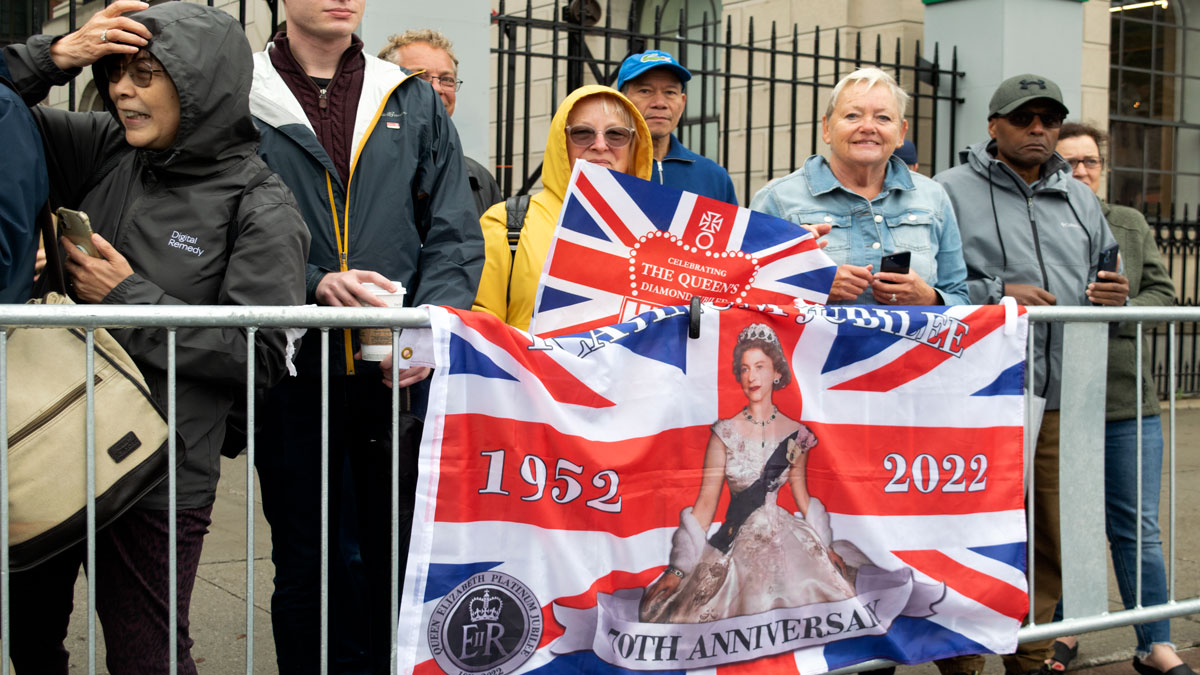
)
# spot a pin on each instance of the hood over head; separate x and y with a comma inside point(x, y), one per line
point(556, 171)
point(207, 56)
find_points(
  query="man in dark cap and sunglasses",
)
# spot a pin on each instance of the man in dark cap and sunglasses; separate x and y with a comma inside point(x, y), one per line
point(1032, 232)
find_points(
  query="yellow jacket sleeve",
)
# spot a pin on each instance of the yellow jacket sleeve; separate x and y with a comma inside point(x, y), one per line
point(492, 296)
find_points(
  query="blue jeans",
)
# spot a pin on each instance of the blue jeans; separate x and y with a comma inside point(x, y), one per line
point(1120, 507)
point(1120, 502)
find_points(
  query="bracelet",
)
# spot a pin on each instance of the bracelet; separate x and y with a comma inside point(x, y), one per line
point(672, 570)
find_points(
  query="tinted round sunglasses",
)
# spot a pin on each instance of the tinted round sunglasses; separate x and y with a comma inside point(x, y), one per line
point(583, 135)
point(141, 71)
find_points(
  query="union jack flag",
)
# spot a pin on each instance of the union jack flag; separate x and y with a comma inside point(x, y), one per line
point(553, 472)
point(624, 246)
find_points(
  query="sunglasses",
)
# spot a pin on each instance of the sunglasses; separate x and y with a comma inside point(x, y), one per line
point(1023, 118)
point(614, 137)
point(141, 71)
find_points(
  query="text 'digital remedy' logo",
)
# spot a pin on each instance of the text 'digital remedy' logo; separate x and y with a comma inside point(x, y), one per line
point(489, 623)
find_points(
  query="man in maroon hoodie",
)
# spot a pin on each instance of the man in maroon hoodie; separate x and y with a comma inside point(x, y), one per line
point(377, 169)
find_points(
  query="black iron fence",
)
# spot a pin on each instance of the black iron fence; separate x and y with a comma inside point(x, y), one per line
point(1178, 238)
point(19, 20)
point(755, 100)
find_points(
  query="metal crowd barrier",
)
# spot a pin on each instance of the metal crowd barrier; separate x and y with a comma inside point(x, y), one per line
point(1085, 592)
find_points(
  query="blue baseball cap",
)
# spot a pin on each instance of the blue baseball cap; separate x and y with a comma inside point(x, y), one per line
point(907, 152)
point(633, 66)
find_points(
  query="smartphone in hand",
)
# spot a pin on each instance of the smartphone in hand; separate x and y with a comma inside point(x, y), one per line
point(896, 263)
point(77, 227)
point(1107, 261)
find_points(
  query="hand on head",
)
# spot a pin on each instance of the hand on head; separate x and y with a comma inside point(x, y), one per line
point(106, 32)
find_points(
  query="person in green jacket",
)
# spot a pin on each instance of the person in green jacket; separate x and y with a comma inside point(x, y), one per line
point(1149, 284)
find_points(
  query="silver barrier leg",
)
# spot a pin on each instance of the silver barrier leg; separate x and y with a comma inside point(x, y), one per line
point(1081, 469)
point(4, 615)
point(1138, 562)
point(1029, 449)
point(1173, 369)
point(90, 451)
point(172, 510)
point(395, 552)
point(250, 334)
point(324, 501)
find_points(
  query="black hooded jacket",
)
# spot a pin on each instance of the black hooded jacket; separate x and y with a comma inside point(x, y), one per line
point(169, 213)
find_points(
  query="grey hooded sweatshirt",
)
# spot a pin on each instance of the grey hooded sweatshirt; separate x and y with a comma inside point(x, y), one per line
point(170, 212)
point(1048, 235)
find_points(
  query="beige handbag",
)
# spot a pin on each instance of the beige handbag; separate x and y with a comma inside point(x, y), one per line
point(47, 461)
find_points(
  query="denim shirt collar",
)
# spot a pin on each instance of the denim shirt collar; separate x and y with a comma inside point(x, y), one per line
point(821, 179)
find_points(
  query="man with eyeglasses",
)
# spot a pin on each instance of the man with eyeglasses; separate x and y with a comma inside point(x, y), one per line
point(657, 85)
point(430, 55)
point(377, 169)
point(1033, 232)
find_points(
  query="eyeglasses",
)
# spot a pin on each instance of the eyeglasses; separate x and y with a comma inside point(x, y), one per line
point(614, 137)
point(447, 82)
point(140, 71)
point(1023, 118)
point(1089, 163)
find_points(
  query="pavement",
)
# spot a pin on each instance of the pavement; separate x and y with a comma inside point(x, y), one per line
point(218, 615)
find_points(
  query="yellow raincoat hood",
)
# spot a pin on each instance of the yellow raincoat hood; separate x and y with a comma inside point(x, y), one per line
point(511, 296)
point(556, 166)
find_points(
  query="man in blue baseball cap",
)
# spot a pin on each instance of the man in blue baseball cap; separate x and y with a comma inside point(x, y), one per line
point(656, 84)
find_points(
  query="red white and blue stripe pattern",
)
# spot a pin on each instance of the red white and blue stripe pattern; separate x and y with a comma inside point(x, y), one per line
point(628, 408)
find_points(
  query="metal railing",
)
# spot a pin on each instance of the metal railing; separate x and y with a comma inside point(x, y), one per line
point(771, 81)
point(170, 318)
point(1085, 597)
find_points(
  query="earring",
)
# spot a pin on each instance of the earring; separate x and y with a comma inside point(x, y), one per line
point(777, 381)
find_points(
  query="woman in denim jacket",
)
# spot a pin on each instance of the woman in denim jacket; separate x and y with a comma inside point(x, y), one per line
point(867, 204)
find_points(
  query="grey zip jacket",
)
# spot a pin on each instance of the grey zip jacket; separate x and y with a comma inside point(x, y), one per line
point(1048, 234)
point(170, 212)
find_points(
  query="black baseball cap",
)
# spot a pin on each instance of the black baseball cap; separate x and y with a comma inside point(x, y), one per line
point(1018, 90)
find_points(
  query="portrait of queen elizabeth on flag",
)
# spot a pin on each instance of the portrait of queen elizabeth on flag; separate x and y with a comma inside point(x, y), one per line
point(763, 557)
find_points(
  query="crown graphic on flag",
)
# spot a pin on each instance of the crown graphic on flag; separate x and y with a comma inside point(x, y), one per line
point(486, 608)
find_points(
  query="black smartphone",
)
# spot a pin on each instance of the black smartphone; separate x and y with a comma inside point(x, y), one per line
point(1107, 262)
point(896, 263)
point(76, 227)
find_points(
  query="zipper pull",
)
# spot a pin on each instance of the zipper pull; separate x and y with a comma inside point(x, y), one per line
point(322, 100)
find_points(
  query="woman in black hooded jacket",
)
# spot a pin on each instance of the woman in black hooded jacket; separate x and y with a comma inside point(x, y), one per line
point(164, 174)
